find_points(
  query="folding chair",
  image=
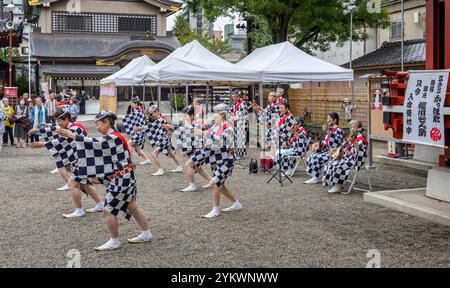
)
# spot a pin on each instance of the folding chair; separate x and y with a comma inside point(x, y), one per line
point(352, 182)
point(297, 162)
point(299, 159)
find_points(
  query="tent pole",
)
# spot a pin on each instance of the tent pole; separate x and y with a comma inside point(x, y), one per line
point(207, 98)
point(187, 95)
point(132, 91)
point(170, 103)
point(261, 130)
point(369, 122)
point(143, 93)
point(159, 95)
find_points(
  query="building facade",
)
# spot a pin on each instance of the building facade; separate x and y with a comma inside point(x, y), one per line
point(77, 43)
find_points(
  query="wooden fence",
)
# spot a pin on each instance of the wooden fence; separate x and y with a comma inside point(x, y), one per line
point(321, 101)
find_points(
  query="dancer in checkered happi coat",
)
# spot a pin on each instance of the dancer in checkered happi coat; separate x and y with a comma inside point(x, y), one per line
point(189, 142)
point(221, 143)
point(298, 145)
point(284, 125)
point(239, 113)
point(352, 155)
point(63, 150)
point(107, 159)
point(137, 119)
point(158, 131)
point(322, 150)
point(265, 119)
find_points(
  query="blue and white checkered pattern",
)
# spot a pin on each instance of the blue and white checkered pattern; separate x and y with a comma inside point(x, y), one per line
point(159, 135)
point(132, 120)
point(61, 148)
point(298, 148)
point(99, 158)
point(317, 160)
point(336, 172)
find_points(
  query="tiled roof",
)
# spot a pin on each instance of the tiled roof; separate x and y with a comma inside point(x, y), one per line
point(389, 54)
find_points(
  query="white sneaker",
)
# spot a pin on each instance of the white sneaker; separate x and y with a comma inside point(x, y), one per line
point(146, 162)
point(63, 188)
point(313, 180)
point(235, 207)
point(191, 188)
point(98, 208)
point(335, 189)
point(110, 245)
point(179, 169)
point(160, 172)
point(54, 171)
point(207, 186)
point(212, 214)
point(75, 214)
point(140, 239)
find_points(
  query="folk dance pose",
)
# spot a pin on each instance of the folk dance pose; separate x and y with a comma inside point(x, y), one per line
point(350, 155)
point(297, 146)
point(322, 150)
point(220, 142)
point(136, 118)
point(284, 125)
point(188, 141)
point(265, 118)
point(65, 153)
point(239, 113)
point(107, 160)
point(162, 139)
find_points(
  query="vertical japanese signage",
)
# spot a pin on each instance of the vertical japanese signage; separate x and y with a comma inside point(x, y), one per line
point(423, 115)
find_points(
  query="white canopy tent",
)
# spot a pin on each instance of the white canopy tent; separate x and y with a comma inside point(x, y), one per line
point(285, 63)
point(195, 63)
point(124, 77)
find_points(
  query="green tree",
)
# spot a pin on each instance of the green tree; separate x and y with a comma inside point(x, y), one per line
point(185, 34)
point(313, 23)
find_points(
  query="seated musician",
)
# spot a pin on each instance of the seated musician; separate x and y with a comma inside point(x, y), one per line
point(350, 155)
point(321, 151)
point(297, 146)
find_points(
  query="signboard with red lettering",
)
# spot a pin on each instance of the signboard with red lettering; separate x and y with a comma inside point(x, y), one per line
point(423, 115)
point(10, 92)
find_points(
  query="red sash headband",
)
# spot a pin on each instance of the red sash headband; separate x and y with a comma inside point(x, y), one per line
point(125, 143)
point(332, 131)
point(283, 119)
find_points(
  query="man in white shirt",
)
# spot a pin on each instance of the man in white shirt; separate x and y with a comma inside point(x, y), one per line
point(50, 104)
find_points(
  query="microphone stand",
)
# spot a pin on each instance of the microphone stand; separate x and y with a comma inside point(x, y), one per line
point(279, 171)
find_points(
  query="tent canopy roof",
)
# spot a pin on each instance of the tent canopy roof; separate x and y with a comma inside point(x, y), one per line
point(285, 63)
point(124, 77)
point(193, 62)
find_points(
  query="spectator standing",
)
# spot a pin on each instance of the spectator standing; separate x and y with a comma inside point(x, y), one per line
point(8, 122)
point(2, 125)
point(73, 109)
point(20, 131)
point(38, 116)
point(81, 98)
point(51, 105)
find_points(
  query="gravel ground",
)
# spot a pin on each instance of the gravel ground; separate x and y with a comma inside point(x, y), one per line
point(290, 226)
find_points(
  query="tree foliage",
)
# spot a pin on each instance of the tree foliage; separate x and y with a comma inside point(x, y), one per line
point(185, 34)
point(312, 23)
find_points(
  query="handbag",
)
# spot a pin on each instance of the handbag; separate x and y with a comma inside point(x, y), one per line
point(26, 124)
point(253, 166)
